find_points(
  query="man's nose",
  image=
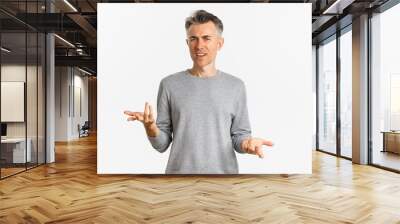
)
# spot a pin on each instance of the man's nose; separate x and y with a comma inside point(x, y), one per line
point(200, 44)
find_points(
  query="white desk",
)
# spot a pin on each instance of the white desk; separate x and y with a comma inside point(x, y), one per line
point(18, 149)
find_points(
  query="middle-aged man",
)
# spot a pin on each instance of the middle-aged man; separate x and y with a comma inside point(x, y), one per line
point(202, 110)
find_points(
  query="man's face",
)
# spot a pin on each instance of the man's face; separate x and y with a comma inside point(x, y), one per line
point(204, 42)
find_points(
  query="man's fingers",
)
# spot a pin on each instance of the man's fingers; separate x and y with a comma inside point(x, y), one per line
point(132, 118)
point(140, 116)
point(252, 148)
point(245, 146)
point(259, 151)
point(267, 143)
point(146, 116)
point(130, 113)
point(137, 115)
point(146, 112)
point(151, 117)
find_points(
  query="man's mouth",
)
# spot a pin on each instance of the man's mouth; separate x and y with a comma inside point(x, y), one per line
point(200, 54)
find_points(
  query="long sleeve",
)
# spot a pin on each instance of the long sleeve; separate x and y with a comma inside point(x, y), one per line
point(240, 128)
point(164, 123)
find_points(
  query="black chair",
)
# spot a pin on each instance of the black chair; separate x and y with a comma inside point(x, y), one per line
point(84, 130)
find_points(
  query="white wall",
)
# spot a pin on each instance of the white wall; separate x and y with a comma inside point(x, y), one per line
point(68, 81)
point(259, 49)
point(80, 97)
point(61, 103)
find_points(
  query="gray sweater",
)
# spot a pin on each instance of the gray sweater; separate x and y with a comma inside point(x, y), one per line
point(206, 119)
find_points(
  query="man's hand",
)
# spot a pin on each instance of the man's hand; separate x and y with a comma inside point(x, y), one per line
point(254, 146)
point(146, 117)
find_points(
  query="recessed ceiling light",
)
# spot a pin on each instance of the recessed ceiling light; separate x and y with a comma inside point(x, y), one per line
point(84, 71)
point(64, 40)
point(70, 5)
point(338, 6)
point(5, 50)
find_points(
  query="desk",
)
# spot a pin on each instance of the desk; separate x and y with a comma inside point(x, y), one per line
point(391, 141)
point(15, 148)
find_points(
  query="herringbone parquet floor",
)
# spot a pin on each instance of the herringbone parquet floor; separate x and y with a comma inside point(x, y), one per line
point(70, 191)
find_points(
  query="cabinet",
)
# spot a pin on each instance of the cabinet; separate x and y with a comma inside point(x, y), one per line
point(391, 142)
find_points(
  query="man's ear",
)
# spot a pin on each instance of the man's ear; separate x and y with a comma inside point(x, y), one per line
point(187, 41)
point(220, 43)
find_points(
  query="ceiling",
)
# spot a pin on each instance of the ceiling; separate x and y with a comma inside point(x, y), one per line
point(76, 22)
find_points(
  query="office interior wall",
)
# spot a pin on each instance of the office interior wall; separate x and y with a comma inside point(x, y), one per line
point(71, 102)
point(81, 104)
point(61, 103)
point(34, 107)
point(15, 72)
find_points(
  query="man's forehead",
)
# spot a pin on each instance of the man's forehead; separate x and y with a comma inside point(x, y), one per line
point(205, 35)
point(205, 29)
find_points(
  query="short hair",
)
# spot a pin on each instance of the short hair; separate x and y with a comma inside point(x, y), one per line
point(201, 17)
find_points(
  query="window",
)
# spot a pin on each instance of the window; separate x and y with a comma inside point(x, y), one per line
point(327, 96)
point(385, 88)
point(346, 93)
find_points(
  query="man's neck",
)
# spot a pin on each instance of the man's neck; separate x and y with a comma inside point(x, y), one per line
point(206, 71)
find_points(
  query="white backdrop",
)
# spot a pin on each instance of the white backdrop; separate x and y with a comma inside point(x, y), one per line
point(268, 46)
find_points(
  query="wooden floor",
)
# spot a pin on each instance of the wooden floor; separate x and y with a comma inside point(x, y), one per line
point(70, 191)
point(5, 172)
point(387, 159)
point(8, 171)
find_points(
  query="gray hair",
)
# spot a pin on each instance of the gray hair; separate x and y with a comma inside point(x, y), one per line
point(202, 16)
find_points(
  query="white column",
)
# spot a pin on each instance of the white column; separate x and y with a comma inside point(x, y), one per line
point(50, 92)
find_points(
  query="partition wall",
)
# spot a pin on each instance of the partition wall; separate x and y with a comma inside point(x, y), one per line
point(22, 76)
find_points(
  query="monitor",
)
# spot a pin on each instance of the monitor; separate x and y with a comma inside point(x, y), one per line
point(3, 129)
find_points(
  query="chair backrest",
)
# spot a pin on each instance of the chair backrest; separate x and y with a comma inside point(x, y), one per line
point(86, 125)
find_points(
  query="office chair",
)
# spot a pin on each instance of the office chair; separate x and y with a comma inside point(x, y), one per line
point(84, 130)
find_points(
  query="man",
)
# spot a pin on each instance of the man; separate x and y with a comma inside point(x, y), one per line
point(202, 110)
